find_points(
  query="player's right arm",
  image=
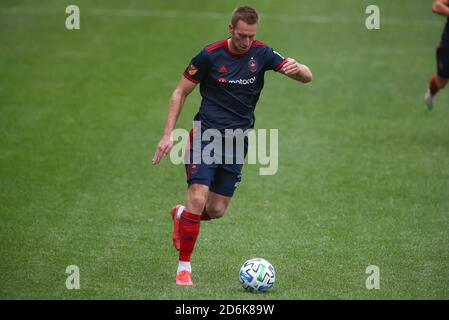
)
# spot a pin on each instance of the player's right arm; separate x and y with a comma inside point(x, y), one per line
point(193, 74)
point(441, 7)
point(178, 97)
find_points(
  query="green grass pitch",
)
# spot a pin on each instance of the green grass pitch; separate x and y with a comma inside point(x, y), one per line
point(363, 173)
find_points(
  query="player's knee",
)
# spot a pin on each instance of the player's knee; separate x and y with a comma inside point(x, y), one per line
point(197, 201)
point(216, 211)
point(441, 82)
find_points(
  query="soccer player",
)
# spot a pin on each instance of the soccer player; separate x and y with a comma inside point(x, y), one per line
point(231, 76)
point(439, 81)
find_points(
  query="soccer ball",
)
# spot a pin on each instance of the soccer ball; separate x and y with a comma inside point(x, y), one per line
point(257, 275)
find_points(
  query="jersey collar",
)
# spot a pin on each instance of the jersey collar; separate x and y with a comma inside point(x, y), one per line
point(238, 55)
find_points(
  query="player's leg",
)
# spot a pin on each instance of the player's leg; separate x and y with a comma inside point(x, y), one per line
point(221, 191)
point(216, 206)
point(226, 179)
point(438, 81)
point(197, 195)
point(189, 228)
point(199, 178)
point(196, 201)
point(196, 174)
point(441, 82)
point(186, 221)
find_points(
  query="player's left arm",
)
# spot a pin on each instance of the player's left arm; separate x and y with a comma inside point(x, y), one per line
point(295, 70)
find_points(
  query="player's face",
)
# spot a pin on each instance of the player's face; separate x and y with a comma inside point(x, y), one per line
point(242, 36)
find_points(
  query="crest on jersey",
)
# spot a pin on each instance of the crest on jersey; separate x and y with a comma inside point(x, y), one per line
point(192, 70)
point(252, 65)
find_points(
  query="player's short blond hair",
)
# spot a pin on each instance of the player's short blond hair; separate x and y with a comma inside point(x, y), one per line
point(246, 14)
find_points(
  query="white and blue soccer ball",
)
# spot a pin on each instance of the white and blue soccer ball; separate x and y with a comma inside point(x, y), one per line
point(257, 275)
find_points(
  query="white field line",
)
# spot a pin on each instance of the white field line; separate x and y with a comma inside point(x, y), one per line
point(321, 19)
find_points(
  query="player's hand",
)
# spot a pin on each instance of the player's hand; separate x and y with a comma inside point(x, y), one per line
point(163, 148)
point(290, 67)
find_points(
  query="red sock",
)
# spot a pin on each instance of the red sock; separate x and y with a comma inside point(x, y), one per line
point(189, 227)
point(205, 216)
point(433, 86)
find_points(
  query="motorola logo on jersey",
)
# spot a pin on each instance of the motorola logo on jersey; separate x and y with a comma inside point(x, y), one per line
point(243, 82)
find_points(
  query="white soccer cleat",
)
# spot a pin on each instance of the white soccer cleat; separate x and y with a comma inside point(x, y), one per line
point(428, 99)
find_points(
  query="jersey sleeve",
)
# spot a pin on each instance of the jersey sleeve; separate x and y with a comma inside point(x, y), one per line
point(198, 67)
point(273, 60)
